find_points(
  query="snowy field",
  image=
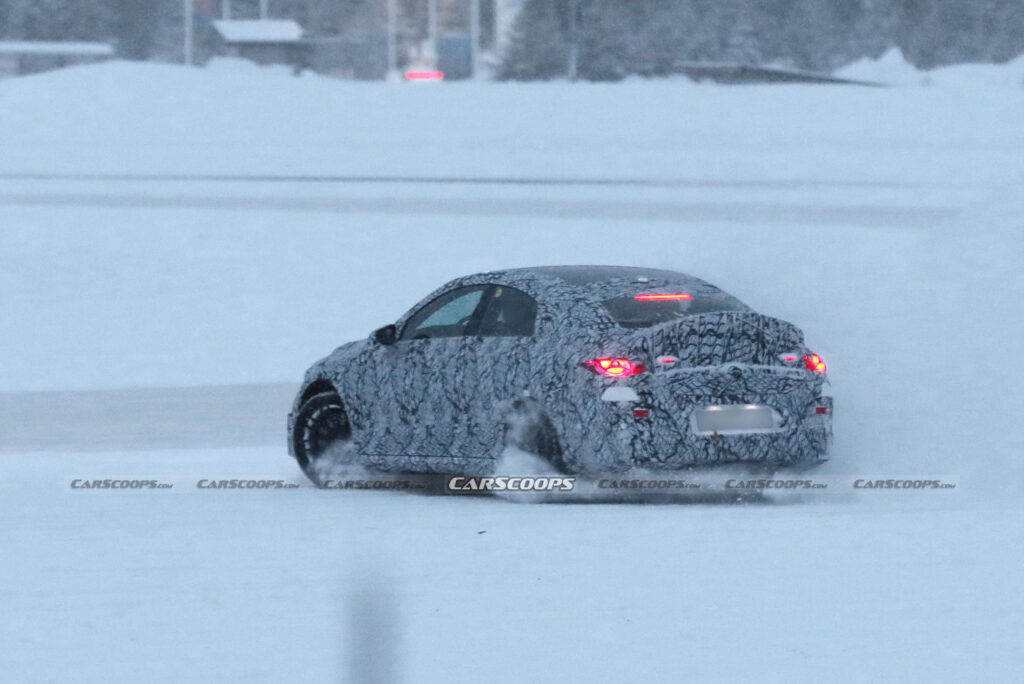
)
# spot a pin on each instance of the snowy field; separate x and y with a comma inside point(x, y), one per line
point(184, 243)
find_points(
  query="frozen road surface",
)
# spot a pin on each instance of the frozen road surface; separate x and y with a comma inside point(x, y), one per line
point(142, 419)
point(164, 285)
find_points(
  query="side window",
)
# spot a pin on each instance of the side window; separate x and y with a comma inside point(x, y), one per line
point(447, 316)
point(509, 313)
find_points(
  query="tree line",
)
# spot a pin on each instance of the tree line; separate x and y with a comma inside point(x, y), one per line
point(610, 39)
point(617, 38)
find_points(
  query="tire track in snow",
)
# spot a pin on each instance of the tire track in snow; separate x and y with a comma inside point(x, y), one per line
point(647, 210)
point(142, 419)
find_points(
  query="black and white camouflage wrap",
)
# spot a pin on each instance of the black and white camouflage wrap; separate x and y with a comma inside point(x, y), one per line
point(441, 404)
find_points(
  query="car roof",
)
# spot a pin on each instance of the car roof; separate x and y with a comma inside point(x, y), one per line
point(551, 284)
point(581, 276)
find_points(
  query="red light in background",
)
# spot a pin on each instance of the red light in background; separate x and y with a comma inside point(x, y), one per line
point(815, 363)
point(615, 367)
point(641, 413)
point(821, 410)
point(667, 297)
point(424, 75)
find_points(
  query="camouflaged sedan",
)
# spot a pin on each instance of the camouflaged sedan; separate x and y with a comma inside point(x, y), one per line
point(596, 369)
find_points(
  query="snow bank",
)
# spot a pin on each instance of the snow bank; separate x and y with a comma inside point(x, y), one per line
point(236, 118)
point(893, 69)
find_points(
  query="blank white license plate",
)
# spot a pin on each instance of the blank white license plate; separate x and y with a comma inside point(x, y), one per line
point(734, 419)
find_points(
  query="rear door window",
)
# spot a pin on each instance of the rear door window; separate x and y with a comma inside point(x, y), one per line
point(508, 313)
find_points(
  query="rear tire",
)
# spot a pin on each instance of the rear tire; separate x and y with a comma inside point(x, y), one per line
point(530, 430)
point(321, 433)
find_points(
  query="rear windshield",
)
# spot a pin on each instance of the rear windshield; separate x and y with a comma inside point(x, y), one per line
point(629, 312)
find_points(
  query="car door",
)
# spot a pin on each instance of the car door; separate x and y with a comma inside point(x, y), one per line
point(425, 416)
point(501, 359)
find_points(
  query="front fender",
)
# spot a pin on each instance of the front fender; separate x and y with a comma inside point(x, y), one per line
point(328, 371)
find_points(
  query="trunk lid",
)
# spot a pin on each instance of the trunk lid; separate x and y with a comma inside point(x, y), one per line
point(716, 339)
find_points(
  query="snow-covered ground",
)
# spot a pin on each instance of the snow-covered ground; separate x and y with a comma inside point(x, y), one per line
point(887, 223)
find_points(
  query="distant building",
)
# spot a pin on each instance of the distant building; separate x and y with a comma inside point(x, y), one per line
point(264, 41)
point(352, 40)
point(32, 56)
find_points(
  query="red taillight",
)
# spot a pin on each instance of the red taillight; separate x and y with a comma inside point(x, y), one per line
point(641, 413)
point(424, 75)
point(815, 363)
point(667, 297)
point(821, 410)
point(614, 367)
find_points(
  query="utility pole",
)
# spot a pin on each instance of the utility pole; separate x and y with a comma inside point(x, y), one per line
point(225, 9)
point(574, 38)
point(498, 22)
point(264, 9)
point(432, 30)
point(392, 39)
point(189, 28)
point(474, 37)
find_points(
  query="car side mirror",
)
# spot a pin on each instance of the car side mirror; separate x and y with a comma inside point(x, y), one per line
point(387, 335)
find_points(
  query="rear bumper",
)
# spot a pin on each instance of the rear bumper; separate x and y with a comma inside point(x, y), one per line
point(667, 437)
point(803, 443)
point(625, 446)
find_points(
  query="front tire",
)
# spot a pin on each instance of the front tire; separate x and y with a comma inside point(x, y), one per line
point(321, 434)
